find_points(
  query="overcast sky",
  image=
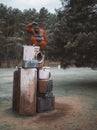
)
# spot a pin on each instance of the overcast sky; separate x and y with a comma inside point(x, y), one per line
point(51, 5)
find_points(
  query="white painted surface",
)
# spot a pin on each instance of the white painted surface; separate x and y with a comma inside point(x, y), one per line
point(44, 73)
point(29, 52)
point(28, 84)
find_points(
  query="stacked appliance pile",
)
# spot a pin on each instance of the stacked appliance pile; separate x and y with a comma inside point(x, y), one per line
point(32, 85)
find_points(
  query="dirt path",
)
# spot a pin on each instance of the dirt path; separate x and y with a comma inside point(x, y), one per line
point(76, 102)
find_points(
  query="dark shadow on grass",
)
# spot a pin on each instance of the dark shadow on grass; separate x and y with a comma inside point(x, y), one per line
point(15, 114)
point(61, 110)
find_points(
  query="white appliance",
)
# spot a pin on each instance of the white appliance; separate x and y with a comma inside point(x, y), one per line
point(44, 73)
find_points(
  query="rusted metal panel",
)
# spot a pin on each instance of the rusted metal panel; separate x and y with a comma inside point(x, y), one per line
point(24, 91)
point(16, 91)
point(45, 95)
point(45, 104)
point(28, 84)
point(45, 86)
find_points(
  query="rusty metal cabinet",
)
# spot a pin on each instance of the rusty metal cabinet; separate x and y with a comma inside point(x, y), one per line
point(24, 91)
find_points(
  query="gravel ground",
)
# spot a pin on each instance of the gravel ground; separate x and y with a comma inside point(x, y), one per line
point(75, 91)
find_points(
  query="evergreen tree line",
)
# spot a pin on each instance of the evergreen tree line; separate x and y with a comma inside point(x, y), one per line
point(71, 32)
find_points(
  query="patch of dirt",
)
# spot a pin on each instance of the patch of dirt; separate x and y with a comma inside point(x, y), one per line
point(66, 112)
point(75, 93)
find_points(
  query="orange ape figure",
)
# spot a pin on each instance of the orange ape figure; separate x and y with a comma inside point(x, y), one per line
point(38, 37)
